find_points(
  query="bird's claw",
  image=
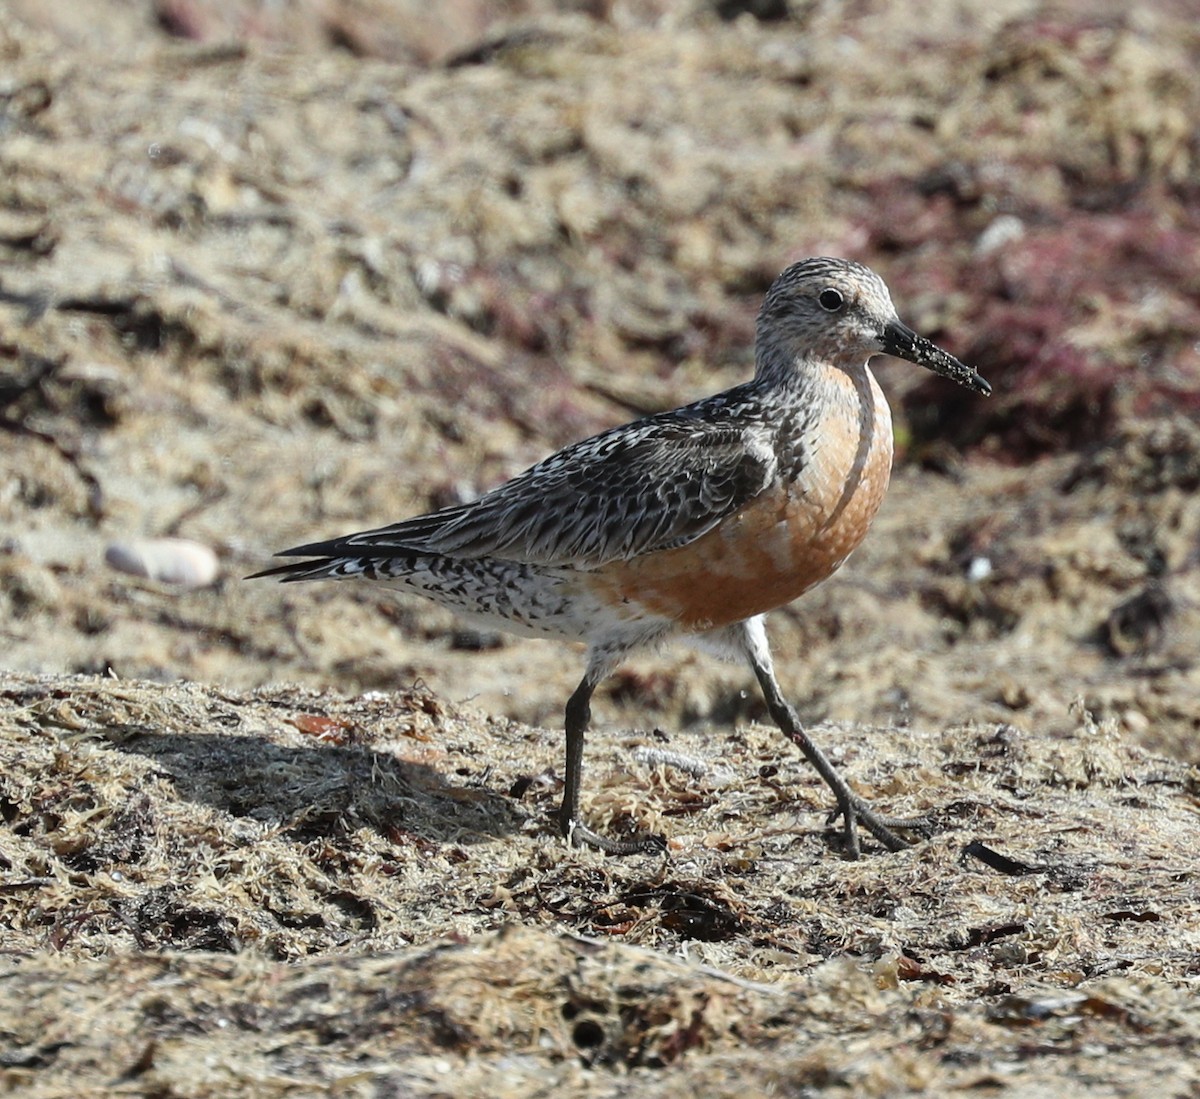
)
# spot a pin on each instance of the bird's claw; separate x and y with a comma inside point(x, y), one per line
point(884, 829)
point(579, 834)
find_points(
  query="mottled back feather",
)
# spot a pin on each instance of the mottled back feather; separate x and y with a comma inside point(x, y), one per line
point(650, 485)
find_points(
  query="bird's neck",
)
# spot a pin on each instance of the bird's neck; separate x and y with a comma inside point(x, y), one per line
point(808, 378)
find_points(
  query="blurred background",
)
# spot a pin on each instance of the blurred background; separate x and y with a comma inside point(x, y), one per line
point(274, 272)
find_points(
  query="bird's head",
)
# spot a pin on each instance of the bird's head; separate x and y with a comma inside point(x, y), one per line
point(840, 312)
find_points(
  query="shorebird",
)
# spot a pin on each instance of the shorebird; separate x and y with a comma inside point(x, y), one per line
point(695, 522)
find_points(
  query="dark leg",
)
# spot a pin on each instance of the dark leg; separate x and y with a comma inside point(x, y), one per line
point(579, 716)
point(850, 807)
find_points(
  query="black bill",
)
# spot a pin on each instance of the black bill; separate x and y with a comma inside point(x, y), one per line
point(904, 343)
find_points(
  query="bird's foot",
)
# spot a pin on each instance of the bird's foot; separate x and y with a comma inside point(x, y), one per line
point(857, 811)
point(580, 835)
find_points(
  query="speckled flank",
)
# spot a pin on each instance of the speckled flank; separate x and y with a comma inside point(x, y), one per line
point(542, 602)
point(696, 520)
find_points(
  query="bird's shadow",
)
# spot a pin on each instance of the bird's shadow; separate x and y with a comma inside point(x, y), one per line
point(325, 790)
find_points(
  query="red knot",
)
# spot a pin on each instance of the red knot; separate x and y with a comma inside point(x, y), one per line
point(694, 522)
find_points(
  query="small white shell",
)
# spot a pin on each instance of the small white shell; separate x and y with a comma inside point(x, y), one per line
point(980, 568)
point(1002, 230)
point(169, 560)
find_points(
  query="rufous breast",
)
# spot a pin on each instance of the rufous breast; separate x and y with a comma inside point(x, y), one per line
point(789, 538)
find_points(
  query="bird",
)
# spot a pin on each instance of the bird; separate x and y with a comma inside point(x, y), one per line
point(691, 523)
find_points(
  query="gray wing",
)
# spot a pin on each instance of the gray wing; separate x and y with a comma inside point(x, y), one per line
point(651, 485)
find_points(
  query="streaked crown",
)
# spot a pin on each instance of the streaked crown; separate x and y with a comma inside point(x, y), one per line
point(827, 309)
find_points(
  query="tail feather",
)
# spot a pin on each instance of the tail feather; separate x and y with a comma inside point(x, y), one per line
point(352, 545)
point(332, 547)
point(299, 570)
point(336, 560)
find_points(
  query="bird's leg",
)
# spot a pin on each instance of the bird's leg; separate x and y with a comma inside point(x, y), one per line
point(579, 716)
point(853, 809)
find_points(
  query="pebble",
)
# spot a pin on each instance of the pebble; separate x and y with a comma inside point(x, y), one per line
point(177, 561)
point(979, 569)
point(1003, 230)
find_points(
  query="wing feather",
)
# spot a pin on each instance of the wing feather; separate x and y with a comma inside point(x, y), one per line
point(654, 484)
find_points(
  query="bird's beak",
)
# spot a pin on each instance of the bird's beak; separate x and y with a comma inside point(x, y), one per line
point(900, 340)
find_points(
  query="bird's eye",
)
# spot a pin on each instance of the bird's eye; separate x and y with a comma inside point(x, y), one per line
point(831, 300)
